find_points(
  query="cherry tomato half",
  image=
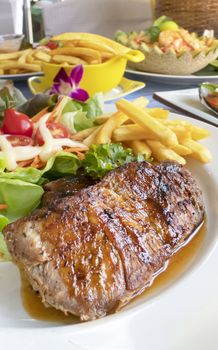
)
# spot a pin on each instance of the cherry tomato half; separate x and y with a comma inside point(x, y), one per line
point(20, 140)
point(57, 130)
point(16, 123)
point(52, 45)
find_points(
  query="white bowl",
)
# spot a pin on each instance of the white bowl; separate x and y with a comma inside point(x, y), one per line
point(10, 42)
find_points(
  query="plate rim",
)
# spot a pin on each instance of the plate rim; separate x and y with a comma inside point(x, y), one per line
point(168, 76)
point(20, 76)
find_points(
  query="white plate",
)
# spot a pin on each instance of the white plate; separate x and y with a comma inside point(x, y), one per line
point(174, 79)
point(187, 101)
point(180, 315)
point(20, 77)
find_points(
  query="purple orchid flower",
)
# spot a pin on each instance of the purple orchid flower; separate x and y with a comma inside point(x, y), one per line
point(69, 85)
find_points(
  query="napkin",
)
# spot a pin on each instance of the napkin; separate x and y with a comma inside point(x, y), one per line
point(97, 16)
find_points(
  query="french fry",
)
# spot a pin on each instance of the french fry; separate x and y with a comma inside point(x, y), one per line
point(78, 52)
point(1, 71)
point(131, 132)
point(69, 59)
point(86, 40)
point(160, 152)
point(10, 56)
point(91, 138)
point(140, 147)
point(181, 132)
point(158, 113)
point(42, 56)
point(24, 66)
point(105, 133)
point(13, 71)
point(143, 119)
point(6, 62)
point(198, 133)
point(101, 119)
point(199, 152)
point(29, 57)
point(23, 56)
point(141, 102)
point(105, 55)
point(83, 134)
point(182, 150)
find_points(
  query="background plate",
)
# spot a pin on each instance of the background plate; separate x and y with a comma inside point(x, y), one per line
point(187, 101)
point(20, 77)
point(173, 79)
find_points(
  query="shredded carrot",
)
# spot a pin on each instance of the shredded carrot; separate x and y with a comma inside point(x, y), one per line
point(78, 151)
point(37, 163)
point(24, 163)
point(39, 115)
point(56, 113)
point(3, 206)
point(34, 162)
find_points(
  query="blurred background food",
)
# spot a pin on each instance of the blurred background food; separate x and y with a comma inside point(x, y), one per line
point(42, 18)
point(170, 48)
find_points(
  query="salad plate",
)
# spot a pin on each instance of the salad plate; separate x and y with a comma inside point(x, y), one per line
point(125, 87)
point(187, 101)
point(185, 80)
point(186, 302)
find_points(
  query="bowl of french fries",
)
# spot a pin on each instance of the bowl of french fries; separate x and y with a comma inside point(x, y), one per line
point(103, 59)
point(149, 132)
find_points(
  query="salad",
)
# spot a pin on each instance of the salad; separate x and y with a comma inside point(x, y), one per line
point(35, 149)
point(165, 35)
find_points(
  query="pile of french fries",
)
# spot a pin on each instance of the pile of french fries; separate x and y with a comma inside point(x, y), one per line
point(70, 54)
point(148, 131)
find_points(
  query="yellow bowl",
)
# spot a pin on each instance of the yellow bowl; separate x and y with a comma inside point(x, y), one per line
point(97, 77)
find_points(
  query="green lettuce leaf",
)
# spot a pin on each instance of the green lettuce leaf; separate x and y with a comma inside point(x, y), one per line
point(21, 197)
point(94, 106)
point(77, 116)
point(61, 164)
point(102, 158)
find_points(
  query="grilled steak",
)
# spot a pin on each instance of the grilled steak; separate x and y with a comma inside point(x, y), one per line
point(90, 253)
point(67, 186)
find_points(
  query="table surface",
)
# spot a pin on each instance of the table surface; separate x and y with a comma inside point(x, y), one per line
point(147, 91)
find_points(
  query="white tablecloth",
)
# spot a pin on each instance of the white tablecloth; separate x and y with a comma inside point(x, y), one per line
point(97, 16)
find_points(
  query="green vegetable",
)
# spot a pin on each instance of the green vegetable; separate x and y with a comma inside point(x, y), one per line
point(94, 106)
point(36, 104)
point(10, 97)
point(102, 158)
point(21, 197)
point(61, 164)
point(78, 116)
point(161, 20)
point(153, 33)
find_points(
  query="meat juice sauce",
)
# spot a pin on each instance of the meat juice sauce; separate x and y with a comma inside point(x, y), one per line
point(177, 265)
